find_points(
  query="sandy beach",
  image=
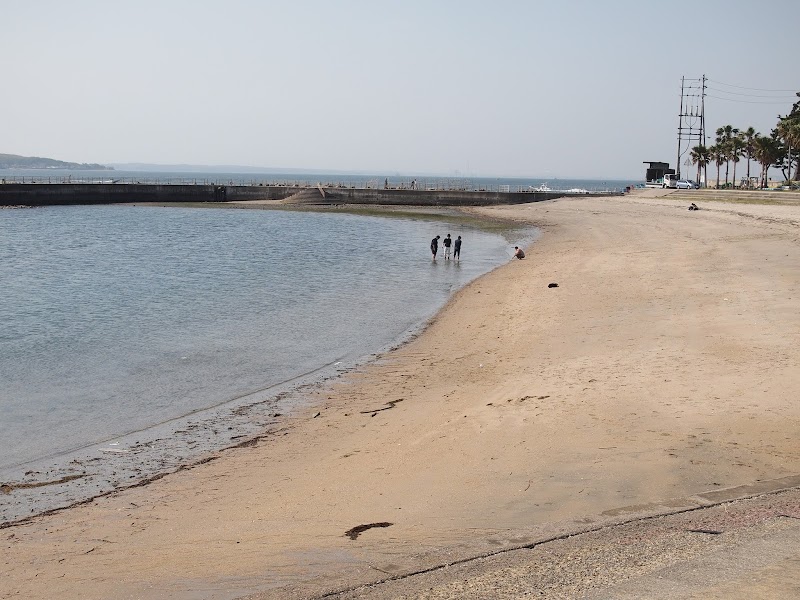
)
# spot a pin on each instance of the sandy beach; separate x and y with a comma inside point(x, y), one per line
point(660, 375)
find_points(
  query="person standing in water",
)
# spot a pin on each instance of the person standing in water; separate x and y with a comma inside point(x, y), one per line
point(457, 249)
point(447, 242)
point(435, 246)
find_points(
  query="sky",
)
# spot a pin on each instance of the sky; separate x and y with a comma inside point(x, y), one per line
point(563, 88)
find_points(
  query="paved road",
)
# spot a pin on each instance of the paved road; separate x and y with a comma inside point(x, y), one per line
point(747, 548)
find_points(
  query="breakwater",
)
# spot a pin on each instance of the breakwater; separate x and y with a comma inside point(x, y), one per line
point(48, 194)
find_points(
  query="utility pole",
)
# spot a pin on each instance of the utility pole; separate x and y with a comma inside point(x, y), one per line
point(680, 129)
point(691, 117)
point(703, 110)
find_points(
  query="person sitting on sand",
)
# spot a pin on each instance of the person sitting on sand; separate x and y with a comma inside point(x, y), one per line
point(518, 253)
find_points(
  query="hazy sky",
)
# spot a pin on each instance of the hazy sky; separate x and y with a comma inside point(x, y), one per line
point(564, 88)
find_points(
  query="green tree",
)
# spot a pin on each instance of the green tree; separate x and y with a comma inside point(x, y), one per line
point(749, 135)
point(735, 150)
point(787, 135)
point(788, 130)
point(700, 157)
point(794, 116)
point(766, 150)
point(717, 154)
point(724, 136)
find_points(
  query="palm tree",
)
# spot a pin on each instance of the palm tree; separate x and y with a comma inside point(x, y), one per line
point(789, 131)
point(701, 158)
point(749, 135)
point(717, 154)
point(719, 146)
point(724, 137)
point(735, 152)
point(766, 150)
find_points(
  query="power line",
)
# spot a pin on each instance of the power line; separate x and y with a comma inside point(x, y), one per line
point(748, 88)
point(751, 95)
point(744, 101)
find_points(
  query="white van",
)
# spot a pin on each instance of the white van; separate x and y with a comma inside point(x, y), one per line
point(670, 181)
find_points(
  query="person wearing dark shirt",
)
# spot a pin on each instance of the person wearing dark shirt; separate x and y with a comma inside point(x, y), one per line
point(447, 242)
point(435, 246)
point(457, 248)
point(518, 253)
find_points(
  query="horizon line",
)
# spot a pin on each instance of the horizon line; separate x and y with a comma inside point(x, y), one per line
point(227, 168)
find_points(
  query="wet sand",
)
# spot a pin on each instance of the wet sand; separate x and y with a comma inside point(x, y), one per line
point(663, 367)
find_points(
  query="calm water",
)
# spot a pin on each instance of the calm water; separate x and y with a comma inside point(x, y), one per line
point(118, 318)
point(348, 180)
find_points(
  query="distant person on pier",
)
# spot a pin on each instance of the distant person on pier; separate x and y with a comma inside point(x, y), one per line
point(447, 242)
point(518, 253)
point(435, 246)
point(386, 183)
point(457, 249)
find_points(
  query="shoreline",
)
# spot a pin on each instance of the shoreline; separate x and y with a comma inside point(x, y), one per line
point(75, 477)
point(655, 371)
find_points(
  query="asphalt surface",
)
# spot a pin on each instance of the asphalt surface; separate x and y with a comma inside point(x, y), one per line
point(744, 548)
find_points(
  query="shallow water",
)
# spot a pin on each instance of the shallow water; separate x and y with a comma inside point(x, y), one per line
point(137, 333)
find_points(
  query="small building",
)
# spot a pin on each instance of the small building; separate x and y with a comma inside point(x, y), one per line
point(654, 176)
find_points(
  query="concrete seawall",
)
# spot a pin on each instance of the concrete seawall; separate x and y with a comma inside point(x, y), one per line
point(49, 194)
point(432, 197)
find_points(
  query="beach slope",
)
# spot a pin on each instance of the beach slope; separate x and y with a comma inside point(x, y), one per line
point(661, 370)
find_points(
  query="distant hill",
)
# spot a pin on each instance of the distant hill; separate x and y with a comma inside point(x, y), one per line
point(14, 161)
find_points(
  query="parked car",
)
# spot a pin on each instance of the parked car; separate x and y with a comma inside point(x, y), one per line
point(685, 184)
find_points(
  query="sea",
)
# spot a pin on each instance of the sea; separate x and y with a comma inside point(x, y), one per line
point(358, 180)
point(138, 339)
